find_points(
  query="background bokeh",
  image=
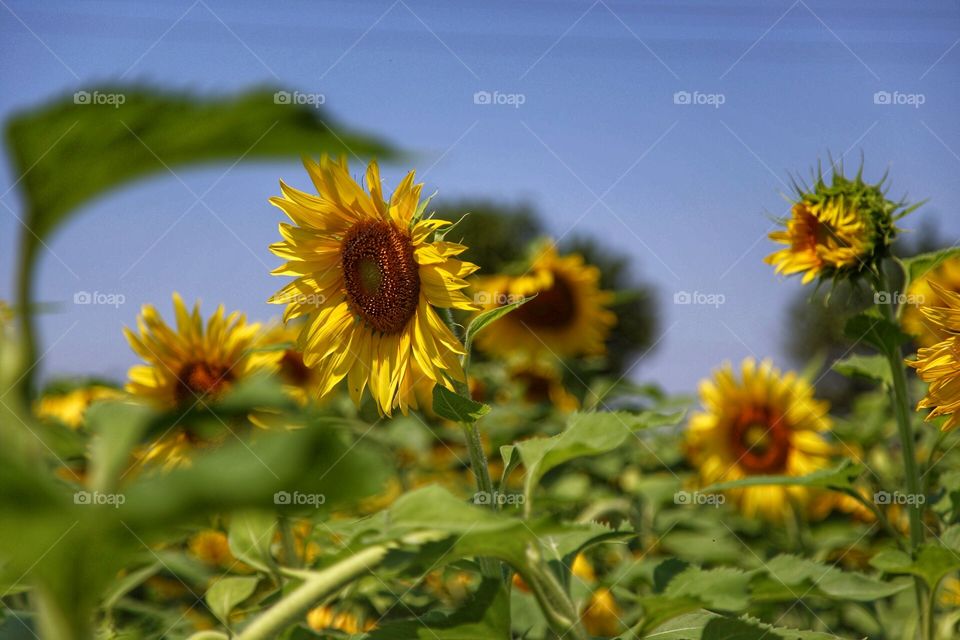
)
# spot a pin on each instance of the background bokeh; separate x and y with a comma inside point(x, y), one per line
point(598, 147)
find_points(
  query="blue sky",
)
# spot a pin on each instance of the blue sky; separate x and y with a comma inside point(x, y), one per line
point(599, 146)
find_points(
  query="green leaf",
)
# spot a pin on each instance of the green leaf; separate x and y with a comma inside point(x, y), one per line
point(453, 406)
point(587, 434)
point(872, 367)
point(117, 428)
point(485, 319)
point(250, 536)
point(932, 564)
point(840, 477)
point(873, 329)
point(226, 593)
point(667, 571)
point(724, 588)
point(68, 153)
point(486, 615)
point(747, 628)
point(917, 266)
point(829, 581)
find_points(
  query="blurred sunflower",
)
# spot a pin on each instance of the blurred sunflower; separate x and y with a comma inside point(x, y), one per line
point(324, 618)
point(835, 230)
point(369, 277)
point(947, 275)
point(70, 407)
point(766, 423)
point(602, 615)
point(568, 317)
point(192, 364)
point(298, 379)
point(211, 547)
point(541, 383)
point(939, 365)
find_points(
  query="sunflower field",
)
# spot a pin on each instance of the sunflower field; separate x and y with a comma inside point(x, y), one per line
point(437, 436)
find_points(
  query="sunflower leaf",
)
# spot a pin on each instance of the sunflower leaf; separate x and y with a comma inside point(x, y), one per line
point(933, 562)
point(918, 266)
point(250, 537)
point(226, 593)
point(872, 328)
point(485, 319)
point(839, 477)
point(873, 367)
point(453, 406)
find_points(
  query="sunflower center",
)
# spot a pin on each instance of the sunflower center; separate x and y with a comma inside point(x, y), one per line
point(553, 308)
point(199, 380)
point(292, 368)
point(760, 441)
point(381, 275)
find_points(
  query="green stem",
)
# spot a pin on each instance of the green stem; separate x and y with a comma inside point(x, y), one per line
point(289, 543)
point(320, 584)
point(24, 302)
point(481, 473)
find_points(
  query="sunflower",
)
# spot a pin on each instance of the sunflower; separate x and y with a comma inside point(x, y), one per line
point(841, 229)
point(568, 317)
point(920, 293)
point(211, 547)
point(539, 382)
point(298, 379)
point(766, 423)
point(939, 365)
point(602, 615)
point(70, 407)
point(324, 618)
point(193, 364)
point(370, 276)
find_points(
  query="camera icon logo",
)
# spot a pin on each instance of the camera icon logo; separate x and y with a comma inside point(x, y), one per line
point(282, 97)
point(481, 497)
point(882, 97)
point(482, 97)
point(682, 297)
point(682, 97)
point(682, 497)
point(82, 497)
point(281, 497)
point(882, 297)
point(82, 297)
point(882, 497)
point(81, 97)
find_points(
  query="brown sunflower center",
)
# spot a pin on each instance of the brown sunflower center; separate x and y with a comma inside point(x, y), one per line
point(292, 368)
point(553, 308)
point(199, 380)
point(381, 275)
point(761, 441)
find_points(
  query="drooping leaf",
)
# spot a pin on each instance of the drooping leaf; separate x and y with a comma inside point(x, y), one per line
point(250, 536)
point(918, 266)
point(485, 319)
point(456, 407)
point(872, 328)
point(226, 593)
point(841, 476)
point(872, 367)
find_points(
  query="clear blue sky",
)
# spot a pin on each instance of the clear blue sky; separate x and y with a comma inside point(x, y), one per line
point(598, 145)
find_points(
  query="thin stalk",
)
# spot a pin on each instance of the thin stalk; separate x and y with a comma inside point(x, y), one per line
point(292, 607)
point(27, 333)
point(481, 473)
point(289, 543)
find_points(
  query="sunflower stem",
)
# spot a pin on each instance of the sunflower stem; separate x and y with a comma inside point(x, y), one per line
point(481, 473)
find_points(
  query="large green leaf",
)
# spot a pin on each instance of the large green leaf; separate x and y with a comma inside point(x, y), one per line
point(872, 367)
point(70, 150)
point(917, 266)
point(933, 562)
point(250, 537)
point(226, 593)
point(840, 477)
point(802, 575)
point(871, 328)
point(456, 407)
point(587, 434)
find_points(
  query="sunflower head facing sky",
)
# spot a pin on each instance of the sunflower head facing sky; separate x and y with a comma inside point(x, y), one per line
point(194, 362)
point(369, 278)
point(568, 317)
point(921, 293)
point(838, 230)
point(939, 365)
point(762, 423)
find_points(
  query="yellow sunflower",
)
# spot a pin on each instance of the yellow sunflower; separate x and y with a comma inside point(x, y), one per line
point(324, 618)
point(298, 379)
point(602, 615)
point(70, 407)
point(540, 382)
point(939, 365)
point(765, 423)
point(194, 363)
point(820, 237)
point(568, 317)
point(369, 277)
point(920, 293)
